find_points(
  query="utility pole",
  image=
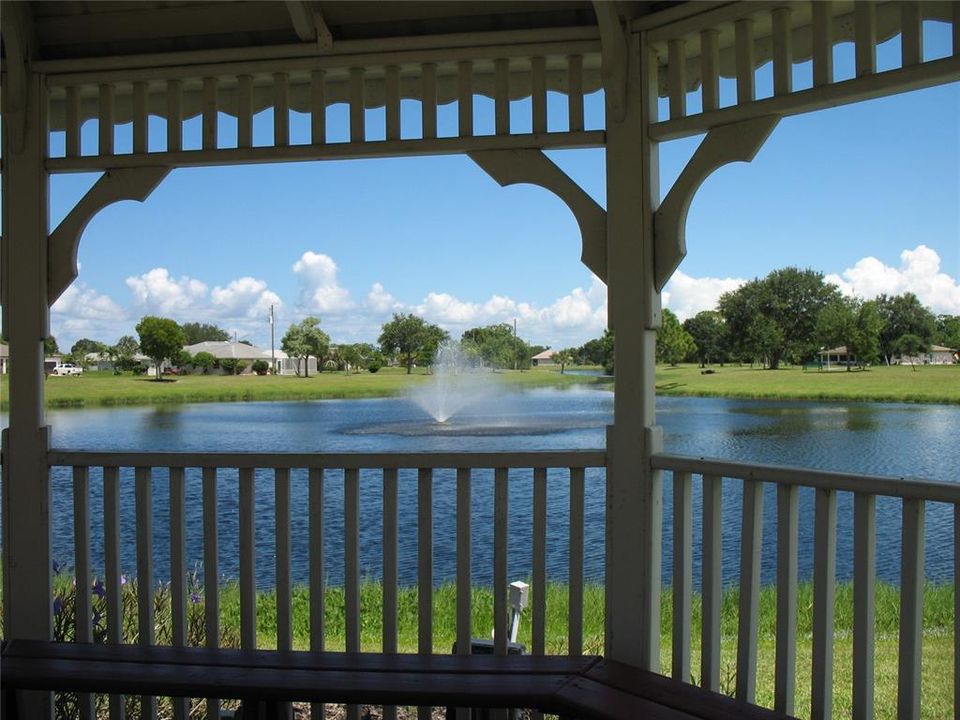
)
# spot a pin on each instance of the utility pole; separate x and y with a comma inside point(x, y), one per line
point(273, 359)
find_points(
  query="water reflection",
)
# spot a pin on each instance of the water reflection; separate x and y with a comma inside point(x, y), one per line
point(883, 439)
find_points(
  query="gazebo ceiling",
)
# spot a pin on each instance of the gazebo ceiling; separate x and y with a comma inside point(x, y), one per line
point(72, 29)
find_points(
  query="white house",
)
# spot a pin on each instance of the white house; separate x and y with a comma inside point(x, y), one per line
point(4, 358)
point(936, 355)
point(543, 358)
point(228, 350)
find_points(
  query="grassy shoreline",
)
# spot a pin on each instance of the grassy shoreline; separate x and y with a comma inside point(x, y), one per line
point(104, 389)
point(925, 384)
point(938, 635)
point(928, 384)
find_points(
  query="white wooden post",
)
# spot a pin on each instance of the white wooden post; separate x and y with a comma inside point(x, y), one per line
point(634, 497)
point(26, 486)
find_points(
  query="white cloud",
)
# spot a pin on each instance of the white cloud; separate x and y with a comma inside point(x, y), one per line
point(159, 293)
point(379, 301)
point(244, 297)
point(82, 311)
point(570, 319)
point(319, 290)
point(919, 273)
point(686, 295)
point(241, 306)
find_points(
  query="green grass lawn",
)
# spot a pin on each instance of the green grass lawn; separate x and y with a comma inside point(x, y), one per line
point(99, 389)
point(929, 383)
point(937, 658)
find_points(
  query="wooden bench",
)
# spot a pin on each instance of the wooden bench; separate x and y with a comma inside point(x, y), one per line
point(584, 687)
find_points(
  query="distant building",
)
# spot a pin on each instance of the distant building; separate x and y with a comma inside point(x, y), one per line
point(226, 349)
point(543, 358)
point(837, 356)
point(229, 350)
point(4, 358)
point(937, 355)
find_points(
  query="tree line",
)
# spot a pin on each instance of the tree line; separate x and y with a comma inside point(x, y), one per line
point(789, 317)
point(407, 340)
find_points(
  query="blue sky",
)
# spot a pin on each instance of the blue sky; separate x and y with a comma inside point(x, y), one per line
point(868, 193)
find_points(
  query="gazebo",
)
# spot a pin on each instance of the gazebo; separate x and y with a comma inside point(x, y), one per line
point(67, 63)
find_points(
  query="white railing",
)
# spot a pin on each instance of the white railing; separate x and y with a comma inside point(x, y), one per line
point(220, 489)
point(202, 479)
point(311, 86)
point(733, 40)
point(915, 494)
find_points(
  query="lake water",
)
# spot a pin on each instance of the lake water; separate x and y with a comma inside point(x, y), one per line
point(885, 439)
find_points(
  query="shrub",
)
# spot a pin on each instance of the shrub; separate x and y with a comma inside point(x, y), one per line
point(233, 366)
point(260, 367)
point(374, 365)
point(204, 361)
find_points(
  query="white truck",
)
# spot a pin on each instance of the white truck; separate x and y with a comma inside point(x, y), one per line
point(64, 369)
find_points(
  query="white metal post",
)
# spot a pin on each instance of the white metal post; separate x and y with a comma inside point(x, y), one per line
point(634, 493)
point(26, 488)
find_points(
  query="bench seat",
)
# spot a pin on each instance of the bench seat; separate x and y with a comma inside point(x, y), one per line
point(582, 687)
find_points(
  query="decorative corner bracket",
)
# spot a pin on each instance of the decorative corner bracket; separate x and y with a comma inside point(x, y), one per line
point(63, 243)
point(737, 142)
point(613, 68)
point(509, 167)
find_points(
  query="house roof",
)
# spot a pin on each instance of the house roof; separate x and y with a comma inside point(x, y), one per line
point(941, 348)
point(545, 355)
point(224, 349)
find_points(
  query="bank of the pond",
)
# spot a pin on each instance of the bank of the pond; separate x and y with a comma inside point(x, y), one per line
point(921, 384)
point(938, 626)
point(104, 389)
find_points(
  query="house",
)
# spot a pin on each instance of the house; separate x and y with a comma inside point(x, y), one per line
point(836, 356)
point(286, 365)
point(543, 358)
point(936, 355)
point(229, 350)
point(4, 358)
point(116, 67)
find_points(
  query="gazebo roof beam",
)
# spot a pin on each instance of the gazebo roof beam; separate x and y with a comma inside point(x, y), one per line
point(308, 21)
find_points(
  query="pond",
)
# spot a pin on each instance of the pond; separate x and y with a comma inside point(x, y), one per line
point(871, 438)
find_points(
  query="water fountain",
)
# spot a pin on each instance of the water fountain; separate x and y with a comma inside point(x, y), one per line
point(458, 382)
point(461, 398)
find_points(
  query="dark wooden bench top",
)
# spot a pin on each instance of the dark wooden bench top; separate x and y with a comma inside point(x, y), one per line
point(585, 687)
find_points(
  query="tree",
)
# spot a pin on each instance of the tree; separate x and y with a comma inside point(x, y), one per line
point(260, 367)
point(497, 346)
point(903, 315)
point(304, 339)
point(196, 332)
point(123, 352)
point(592, 352)
point(204, 361)
point(948, 331)
point(564, 358)
point(673, 342)
point(411, 337)
point(853, 323)
point(50, 346)
point(910, 346)
point(83, 346)
point(160, 339)
point(709, 333)
point(790, 300)
point(351, 357)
